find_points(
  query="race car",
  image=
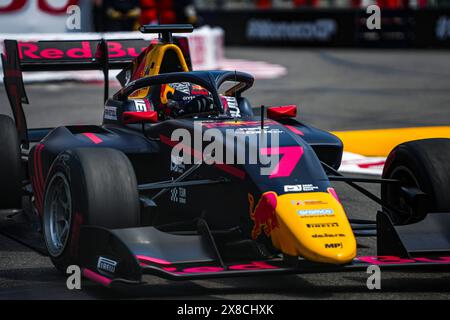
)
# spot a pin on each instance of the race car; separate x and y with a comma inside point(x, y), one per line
point(130, 198)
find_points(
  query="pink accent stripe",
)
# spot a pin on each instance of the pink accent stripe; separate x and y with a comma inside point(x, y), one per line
point(373, 164)
point(35, 179)
point(91, 275)
point(93, 137)
point(154, 260)
point(167, 140)
point(334, 194)
point(295, 130)
point(170, 269)
point(38, 178)
point(36, 195)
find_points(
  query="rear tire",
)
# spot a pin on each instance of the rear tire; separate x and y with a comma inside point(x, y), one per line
point(10, 165)
point(422, 164)
point(87, 187)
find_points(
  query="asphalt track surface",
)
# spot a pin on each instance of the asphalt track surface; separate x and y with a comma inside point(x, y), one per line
point(335, 90)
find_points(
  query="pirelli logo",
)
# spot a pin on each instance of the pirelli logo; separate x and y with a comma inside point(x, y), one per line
point(322, 225)
point(107, 265)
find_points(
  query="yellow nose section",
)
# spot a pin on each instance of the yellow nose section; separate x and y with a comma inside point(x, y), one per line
point(312, 225)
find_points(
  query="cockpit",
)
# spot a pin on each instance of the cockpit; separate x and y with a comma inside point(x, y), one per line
point(188, 94)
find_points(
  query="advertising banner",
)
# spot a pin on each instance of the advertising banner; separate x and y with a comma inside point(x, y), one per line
point(333, 27)
point(43, 16)
point(285, 27)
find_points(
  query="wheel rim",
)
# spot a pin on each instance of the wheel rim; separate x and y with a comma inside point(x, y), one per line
point(57, 214)
point(407, 179)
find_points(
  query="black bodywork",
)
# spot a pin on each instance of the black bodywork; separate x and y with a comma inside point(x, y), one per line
point(149, 149)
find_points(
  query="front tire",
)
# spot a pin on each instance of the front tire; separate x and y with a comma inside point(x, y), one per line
point(422, 165)
point(92, 186)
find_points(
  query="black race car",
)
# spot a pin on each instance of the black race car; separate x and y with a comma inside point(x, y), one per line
point(139, 195)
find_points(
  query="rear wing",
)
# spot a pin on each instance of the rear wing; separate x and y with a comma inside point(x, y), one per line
point(66, 55)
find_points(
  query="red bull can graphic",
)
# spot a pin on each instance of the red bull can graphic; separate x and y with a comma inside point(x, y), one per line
point(263, 214)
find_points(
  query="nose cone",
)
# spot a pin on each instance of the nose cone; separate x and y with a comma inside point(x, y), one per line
point(313, 225)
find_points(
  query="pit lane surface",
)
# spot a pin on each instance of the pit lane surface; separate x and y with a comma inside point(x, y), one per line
point(335, 90)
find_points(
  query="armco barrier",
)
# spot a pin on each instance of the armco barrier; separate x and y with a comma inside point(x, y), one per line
point(206, 46)
point(424, 28)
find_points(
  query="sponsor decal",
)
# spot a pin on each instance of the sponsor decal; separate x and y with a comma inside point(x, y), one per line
point(105, 264)
point(263, 214)
point(308, 202)
point(77, 50)
point(188, 98)
point(315, 212)
point(300, 188)
point(333, 245)
point(140, 105)
point(317, 216)
point(322, 225)
point(110, 113)
point(230, 104)
point(257, 130)
point(328, 235)
point(319, 30)
point(235, 123)
point(178, 195)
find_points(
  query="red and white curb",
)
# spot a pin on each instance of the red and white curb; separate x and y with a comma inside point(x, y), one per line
point(356, 163)
point(259, 69)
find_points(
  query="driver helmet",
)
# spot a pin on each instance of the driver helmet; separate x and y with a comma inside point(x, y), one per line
point(185, 98)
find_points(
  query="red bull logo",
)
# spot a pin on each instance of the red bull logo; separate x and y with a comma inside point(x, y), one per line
point(263, 214)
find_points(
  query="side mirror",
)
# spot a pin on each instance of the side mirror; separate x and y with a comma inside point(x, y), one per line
point(282, 112)
point(130, 117)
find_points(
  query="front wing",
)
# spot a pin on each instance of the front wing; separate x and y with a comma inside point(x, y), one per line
point(132, 255)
